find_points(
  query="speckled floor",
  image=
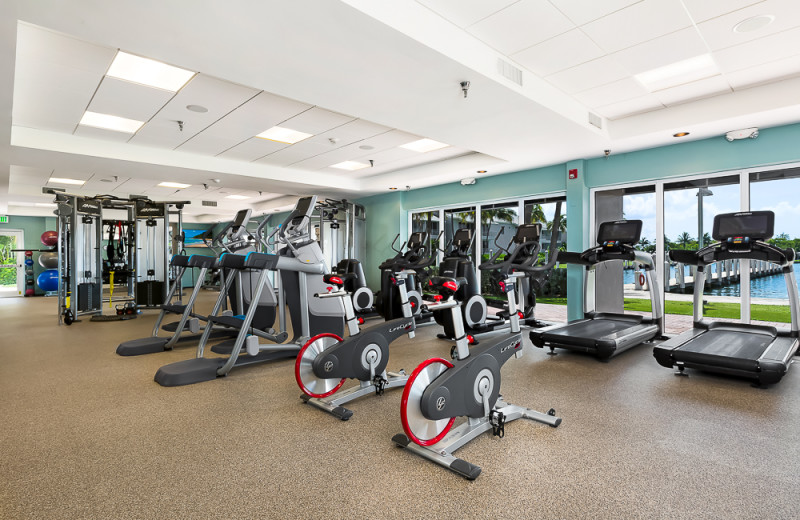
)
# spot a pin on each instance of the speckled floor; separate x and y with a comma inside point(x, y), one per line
point(88, 434)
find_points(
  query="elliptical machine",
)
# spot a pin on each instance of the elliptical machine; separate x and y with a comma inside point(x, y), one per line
point(438, 390)
point(523, 251)
point(413, 252)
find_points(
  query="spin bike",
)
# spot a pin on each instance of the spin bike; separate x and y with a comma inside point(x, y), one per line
point(326, 361)
point(438, 391)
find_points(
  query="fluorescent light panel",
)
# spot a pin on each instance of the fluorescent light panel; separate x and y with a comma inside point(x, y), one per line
point(64, 180)
point(237, 197)
point(284, 135)
point(424, 145)
point(151, 73)
point(349, 165)
point(109, 122)
point(178, 185)
point(678, 73)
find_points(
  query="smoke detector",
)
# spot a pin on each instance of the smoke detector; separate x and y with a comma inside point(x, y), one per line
point(733, 135)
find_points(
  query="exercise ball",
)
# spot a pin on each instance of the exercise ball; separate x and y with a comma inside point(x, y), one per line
point(49, 238)
point(48, 260)
point(48, 280)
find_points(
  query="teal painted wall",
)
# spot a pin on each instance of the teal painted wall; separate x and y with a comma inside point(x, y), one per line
point(386, 217)
point(32, 228)
point(387, 214)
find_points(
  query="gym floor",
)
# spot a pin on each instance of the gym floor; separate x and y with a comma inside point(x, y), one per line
point(88, 434)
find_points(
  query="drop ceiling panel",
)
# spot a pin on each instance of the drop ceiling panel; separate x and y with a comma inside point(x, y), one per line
point(558, 53)
point(98, 185)
point(388, 140)
point(352, 132)
point(589, 75)
point(465, 12)
point(136, 185)
point(260, 113)
point(718, 32)
point(69, 174)
point(252, 149)
point(521, 25)
point(126, 99)
point(768, 49)
point(48, 108)
point(218, 96)
point(584, 11)
point(36, 43)
point(315, 121)
point(671, 48)
point(615, 92)
point(637, 23)
point(28, 175)
point(780, 69)
point(630, 107)
point(694, 90)
point(100, 133)
point(203, 143)
point(420, 160)
point(702, 10)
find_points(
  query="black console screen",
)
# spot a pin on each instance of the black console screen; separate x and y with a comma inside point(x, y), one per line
point(623, 231)
point(756, 225)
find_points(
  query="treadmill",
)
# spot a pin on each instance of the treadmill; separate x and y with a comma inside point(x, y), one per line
point(756, 352)
point(606, 334)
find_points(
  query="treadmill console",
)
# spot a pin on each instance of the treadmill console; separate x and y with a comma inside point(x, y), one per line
point(615, 234)
point(737, 231)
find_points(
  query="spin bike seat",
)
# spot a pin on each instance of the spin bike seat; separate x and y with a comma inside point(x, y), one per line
point(333, 279)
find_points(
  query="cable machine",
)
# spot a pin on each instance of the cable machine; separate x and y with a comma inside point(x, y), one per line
point(80, 269)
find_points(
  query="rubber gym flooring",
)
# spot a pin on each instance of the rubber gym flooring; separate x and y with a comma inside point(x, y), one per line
point(87, 434)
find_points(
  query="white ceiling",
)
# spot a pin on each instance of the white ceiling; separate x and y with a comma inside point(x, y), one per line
point(366, 77)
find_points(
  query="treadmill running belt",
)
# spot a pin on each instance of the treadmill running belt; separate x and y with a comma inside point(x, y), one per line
point(726, 348)
point(586, 333)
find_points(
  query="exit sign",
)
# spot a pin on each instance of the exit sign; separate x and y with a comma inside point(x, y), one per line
point(3, 219)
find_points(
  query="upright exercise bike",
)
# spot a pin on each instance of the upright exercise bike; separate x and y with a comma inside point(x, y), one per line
point(438, 391)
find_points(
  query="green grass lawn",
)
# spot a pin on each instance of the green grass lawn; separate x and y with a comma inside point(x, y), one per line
point(779, 313)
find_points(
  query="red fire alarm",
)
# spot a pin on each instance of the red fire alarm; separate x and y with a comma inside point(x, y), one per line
point(573, 174)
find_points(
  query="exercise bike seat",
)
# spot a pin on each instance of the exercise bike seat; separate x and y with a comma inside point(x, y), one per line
point(333, 279)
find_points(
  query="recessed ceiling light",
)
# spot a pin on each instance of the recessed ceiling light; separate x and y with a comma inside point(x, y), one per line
point(350, 165)
point(680, 134)
point(197, 108)
point(481, 171)
point(45, 204)
point(392, 188)
point(424, 145)
point(678, 73)
point(237, 197)
point(284, 135)
point(754, 23)
point(366, 147)
point(109, 122)
point(151, 73)
point(178, 185)
point(64, 180)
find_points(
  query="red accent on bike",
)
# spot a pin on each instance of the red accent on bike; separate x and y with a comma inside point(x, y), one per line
point(330, 289)
point(360, 320)
point(453, 286)
point(404, 405)
point(471, 339)
point(300, 357)
point(438, 297)
point(502, 286)
point(413, 304)
point(520, 314)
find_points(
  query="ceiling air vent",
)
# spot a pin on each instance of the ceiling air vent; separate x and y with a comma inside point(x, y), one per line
point(509, 71)
point(595, 120)
point(211, 203)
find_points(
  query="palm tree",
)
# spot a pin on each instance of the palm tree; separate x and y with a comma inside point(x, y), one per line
point(684, 239)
